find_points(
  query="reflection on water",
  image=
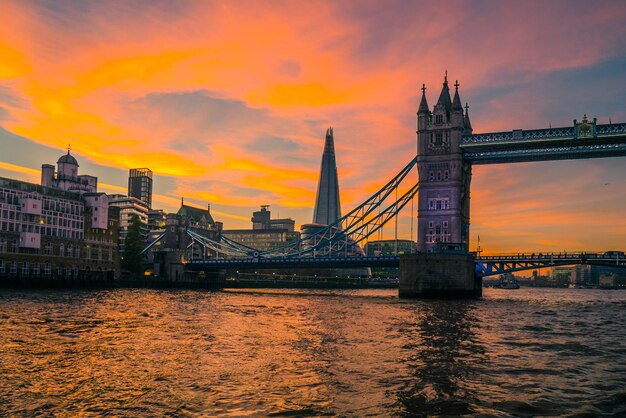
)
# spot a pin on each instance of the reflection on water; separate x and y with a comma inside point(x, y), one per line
point(443, 359)
point(311, 353)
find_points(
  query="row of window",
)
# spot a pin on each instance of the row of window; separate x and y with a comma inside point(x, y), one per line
point(35, 269)
point(434, 238)
point(439, 138)
point(445, 176)
point(61, 251)
point(12, 197)
point(439, 203)
point(444, 224)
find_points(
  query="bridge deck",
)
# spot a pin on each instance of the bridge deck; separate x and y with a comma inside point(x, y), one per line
point(485, 265)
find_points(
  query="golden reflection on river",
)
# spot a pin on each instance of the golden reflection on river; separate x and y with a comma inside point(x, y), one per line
point(310, 353)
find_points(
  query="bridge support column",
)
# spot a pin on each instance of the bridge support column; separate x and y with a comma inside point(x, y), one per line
point(438, 275)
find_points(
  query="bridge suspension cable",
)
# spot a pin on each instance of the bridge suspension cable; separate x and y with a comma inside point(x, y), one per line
point(358, 223)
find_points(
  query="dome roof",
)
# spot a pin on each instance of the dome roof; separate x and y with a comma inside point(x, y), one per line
point(68, 159)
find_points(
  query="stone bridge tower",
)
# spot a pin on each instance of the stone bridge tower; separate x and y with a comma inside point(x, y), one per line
point(444, 179)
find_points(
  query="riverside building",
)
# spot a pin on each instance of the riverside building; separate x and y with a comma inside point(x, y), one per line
point(50, 233)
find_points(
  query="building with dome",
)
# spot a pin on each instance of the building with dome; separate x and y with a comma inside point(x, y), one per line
point(60, 230)
point(66, 176)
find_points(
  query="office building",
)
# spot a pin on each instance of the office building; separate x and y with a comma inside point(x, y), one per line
point(266, 233)
point(129, 206)
point(140, 185)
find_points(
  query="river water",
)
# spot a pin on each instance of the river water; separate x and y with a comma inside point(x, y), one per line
point(526, 352)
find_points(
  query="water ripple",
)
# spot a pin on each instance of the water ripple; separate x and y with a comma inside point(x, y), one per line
point(288, 353)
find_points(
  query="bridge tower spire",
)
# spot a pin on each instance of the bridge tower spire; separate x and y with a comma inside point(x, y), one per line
point(443, 201)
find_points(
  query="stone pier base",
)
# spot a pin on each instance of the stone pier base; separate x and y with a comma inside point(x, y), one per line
point(438, 275)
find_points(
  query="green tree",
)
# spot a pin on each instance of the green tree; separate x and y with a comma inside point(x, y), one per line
point(133, 246)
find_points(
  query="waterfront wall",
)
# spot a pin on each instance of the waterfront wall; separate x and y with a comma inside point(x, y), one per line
point(438, 275)
point(106, 279)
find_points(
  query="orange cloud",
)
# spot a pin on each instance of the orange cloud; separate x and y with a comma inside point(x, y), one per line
point(228, 102)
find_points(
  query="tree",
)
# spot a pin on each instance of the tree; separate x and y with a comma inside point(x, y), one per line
point(133, 246)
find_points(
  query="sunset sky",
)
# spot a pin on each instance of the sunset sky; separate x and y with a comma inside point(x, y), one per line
point(228, 102)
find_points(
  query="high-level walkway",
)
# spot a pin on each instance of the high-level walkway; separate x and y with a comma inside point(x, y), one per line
point(581, 140)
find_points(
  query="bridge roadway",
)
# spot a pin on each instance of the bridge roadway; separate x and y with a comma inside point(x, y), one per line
point(485, 265)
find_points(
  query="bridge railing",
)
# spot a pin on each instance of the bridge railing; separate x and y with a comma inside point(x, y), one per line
point(520, 135)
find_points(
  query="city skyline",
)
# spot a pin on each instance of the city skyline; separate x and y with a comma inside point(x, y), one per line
point(235, 116)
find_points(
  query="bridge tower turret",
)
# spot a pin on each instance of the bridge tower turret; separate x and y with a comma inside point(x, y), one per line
point(443, 201)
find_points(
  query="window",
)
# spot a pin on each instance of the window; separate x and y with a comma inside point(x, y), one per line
point(431, 224)
point(438, 139)
point(445, 224)
point(1, 266)
point(25, 267)
point(446, 175)
point(46, 269)
point(439, 175)
point(13, 267)
point(36, 269)
point(431, 175)
point(61, 250)
point(438, 119)
point(440, 203)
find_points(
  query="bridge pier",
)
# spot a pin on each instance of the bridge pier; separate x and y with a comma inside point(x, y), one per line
point(438, 275)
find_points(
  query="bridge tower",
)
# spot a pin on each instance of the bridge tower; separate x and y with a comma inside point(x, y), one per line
point(444, 179)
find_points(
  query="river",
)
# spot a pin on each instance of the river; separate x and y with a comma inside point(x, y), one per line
point(144, 353)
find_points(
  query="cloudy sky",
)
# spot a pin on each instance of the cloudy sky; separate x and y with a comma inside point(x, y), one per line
point(227, 102)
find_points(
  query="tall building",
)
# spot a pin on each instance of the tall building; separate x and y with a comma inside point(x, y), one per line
point(327, 206)
point(140, 185)
point(444, 178)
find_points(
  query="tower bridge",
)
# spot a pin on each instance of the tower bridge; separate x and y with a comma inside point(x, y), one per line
point(447, 148)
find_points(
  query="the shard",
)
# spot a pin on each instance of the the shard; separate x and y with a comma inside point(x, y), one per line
point(327, 206)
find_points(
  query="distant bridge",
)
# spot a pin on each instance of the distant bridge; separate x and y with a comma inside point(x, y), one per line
point(484, 265)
